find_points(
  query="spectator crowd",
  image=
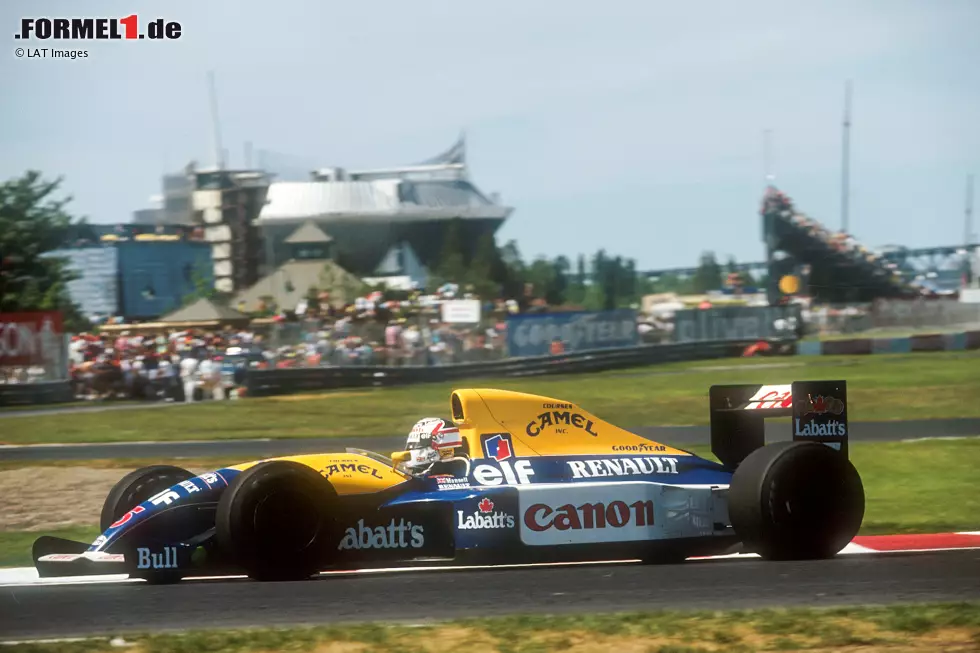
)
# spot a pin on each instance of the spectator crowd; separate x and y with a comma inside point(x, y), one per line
point(778, 204)
point(184, 364)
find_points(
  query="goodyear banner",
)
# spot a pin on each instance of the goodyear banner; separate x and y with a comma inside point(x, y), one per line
point(736, 323)
point(533, 334)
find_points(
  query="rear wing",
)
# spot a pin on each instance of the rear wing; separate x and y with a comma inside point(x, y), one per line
point(738, 412)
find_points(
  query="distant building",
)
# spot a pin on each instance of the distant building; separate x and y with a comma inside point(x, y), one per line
point(400, 269)
point(368, 212)
point(174, 205)
point(96, 288)
point(385, 223)
point(226, 203)
point(309, 269)
point(135, 271)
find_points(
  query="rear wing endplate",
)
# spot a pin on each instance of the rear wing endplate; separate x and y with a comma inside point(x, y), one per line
point(738, 412)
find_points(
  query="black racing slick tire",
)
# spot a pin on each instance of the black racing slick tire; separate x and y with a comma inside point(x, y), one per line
point(276, 521)
point(796, 501)
point(136, 487)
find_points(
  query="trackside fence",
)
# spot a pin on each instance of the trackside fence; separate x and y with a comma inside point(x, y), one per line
point(264, 383)
point(43, 392)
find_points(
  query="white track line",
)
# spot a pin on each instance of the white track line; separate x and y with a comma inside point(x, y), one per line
point(27, 576)
point(23, 576)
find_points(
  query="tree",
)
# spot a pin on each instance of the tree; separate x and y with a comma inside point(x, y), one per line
point(576, 287)
point(610, 283)
point(452, 264)
point(201, 279)
point(628, 283)
point(541, 276)
point(708, 275)
point(595, 294)
point(483, 272)
point(740, 278)
point(514, 271)
point(558, 293)
point(33, 221)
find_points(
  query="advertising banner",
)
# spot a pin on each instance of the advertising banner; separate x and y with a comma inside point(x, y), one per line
point(736, 323)
point(28, 339)
point(532, 334)
point(461, 311)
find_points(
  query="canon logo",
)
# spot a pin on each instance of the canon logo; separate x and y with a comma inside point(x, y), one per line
point(541, 517)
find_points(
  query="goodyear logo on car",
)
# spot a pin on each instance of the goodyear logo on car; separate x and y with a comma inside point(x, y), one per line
point(561, 420)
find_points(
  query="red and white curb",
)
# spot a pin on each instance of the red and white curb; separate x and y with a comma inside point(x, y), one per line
point(861, 545)
point(864, 544)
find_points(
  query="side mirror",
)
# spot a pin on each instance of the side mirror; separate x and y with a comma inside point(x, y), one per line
point(400, 457)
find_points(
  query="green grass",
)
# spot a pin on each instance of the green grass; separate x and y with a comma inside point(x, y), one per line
point(885, 387)
point(903, 627)
point(15, 546)
point(927, 486)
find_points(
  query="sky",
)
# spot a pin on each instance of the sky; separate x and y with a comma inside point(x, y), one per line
point(631, 125)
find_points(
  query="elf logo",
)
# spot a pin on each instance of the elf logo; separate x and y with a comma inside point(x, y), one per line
point(484, 518)
point(145, 559)
point(518, 474)
point(833, 428)
point(400, 535)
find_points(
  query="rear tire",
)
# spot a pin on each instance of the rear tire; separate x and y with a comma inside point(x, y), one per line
point(796, 501)
point(275, 521)
point(136, 487)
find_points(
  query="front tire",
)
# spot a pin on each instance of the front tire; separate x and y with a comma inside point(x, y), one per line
point(136, 487)
point(275, 521)
point(796, 501)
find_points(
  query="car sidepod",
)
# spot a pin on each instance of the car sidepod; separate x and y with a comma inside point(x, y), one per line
point(580, 507)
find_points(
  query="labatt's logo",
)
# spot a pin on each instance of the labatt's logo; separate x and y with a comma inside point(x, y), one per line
point(396, 535)
point(820, 406)
point(557, 418)
point(833, 428)
point(485, 517)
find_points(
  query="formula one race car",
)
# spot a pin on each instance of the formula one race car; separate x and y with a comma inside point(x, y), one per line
point(535, 479)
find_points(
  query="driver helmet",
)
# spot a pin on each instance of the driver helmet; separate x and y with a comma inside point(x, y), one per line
point(431, 439)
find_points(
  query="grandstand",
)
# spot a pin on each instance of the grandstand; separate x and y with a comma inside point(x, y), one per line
point(833, 266)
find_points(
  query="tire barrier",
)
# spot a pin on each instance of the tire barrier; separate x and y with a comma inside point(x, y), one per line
point(904, 345)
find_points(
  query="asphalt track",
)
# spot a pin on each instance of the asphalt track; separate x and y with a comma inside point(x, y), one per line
point(247, 449)
point(415, 596)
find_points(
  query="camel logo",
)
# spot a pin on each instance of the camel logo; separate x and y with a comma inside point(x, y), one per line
point(558, 419)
